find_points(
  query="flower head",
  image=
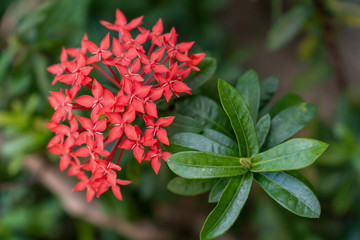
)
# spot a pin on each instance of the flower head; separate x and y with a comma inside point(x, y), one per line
point(141, 75)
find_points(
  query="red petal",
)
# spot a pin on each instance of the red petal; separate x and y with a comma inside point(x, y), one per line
point(158, 27)
point(97, 90)
point(80, 186)
point(101, 125)
point(135, 66)
point(90, 193)
point(114, 117)
point(120, 18)
point(105, 43)
point(149, 121)
point(91, 46)
point(162, 136)
point(116, 191)
point(115, 133)
point(156, 163)
point(138, 152)
point(85, 100)
point(82, 152)
point(150, 109)
point(185, 46)
point(134, 23)
point(131, 132)
point(165, 155)
point(179, 86)
point(86, 123)
point(123, 182)
point(157, 55)
point(127, 144)
point(165, 121)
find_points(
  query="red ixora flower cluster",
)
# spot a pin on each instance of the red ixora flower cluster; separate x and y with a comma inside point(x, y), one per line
point(141, 76)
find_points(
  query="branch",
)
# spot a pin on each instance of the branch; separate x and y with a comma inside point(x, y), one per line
point(331, 45)
point(75, 205)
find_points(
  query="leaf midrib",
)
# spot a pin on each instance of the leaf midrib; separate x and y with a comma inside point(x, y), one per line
point(232, 200)
point(287, 191)
point(241, 126)
point(284, 156)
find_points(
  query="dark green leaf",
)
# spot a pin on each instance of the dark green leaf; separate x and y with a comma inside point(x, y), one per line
point(218, 189)
point(290, 192)
point(285, 102)
point(183, 123)
point(203, 165)
point(248, 85)
point(206, 111)
point(263, 128)
point(286, 27)
point(240, 118)
point(197, 78)
point(288, 122)
point(294, 154)
point(228, 208)
point(268, 87)
point(190, 187)
point(220, 138)
point(192, 141)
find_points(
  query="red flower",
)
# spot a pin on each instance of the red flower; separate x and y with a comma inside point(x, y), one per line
point(156, 128)
point(100, 52)
point(138, 77)
point(154, 155)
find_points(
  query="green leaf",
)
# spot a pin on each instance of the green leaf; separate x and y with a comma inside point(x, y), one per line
point(197, 78)
point(218, 189)
point(286, 27)
point(190, 187)
point(183, 123)
point(290, 192)
point(202, 165)
point(268, 87)
point(288, 122)
point(285, 102)
point(192, 141)
point(206, 111)
point(228, 208)
point(263, 128)
point(220, 138)
point(240, 118)
point(294, 154)
point(248, 85)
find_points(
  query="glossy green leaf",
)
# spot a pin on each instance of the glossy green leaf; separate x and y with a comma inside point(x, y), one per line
point(288, 122)
point(197, 78)
point(218, 189)
point(240, 118)
point(290, 192)
point(285, 102)
point(206, 111)
point(263, 128)
point(192, 141)
point(190, 187)
point(228, 208)
point(184, 123)
point(286, 27)
point(248, 85)
point(202, 165)
point(294, 154)
point(220, 138)
point(268, 87)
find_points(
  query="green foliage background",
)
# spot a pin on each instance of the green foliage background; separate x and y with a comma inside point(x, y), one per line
point(32, 34)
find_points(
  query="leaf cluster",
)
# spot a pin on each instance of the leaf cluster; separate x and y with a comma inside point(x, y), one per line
point(226, 147)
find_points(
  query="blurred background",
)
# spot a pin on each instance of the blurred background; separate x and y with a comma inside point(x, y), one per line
point(311, 45)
